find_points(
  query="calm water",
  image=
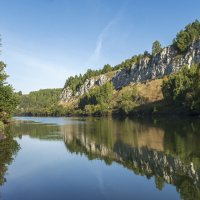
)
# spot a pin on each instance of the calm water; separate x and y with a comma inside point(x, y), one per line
point(100, 158)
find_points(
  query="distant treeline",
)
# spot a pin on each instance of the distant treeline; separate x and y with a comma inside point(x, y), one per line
point(40, 103)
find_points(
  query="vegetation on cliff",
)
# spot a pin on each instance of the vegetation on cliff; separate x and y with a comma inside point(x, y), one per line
point(75, 82)
point(156, 47)
point(185, 37)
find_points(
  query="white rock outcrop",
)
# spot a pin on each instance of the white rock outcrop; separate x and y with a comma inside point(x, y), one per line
point(164, 63)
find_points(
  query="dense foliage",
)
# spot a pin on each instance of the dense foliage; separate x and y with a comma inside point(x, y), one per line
point(8, 99)
point(183, 89)
point(97, 99)
point(185, 37)
point(104, 100)
point(42, 102)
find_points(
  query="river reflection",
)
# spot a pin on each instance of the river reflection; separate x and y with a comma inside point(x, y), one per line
point(166, 151)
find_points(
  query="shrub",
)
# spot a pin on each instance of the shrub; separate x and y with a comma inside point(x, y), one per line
point(183, 88)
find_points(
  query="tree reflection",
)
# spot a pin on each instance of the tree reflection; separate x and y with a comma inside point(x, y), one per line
point(8, 149)
point(36, 130)
point(9, 146)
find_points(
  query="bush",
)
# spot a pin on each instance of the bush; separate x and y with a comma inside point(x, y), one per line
point(183, 89)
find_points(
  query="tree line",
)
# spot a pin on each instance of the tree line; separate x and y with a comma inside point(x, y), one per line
point(44, 102)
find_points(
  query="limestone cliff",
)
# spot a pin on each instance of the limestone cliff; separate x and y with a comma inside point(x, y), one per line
point(164, 63)
point(68, 95)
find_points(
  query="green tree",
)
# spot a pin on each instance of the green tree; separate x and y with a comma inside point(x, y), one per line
point(156, 47)
point(183, 41)
point(8, 99)
point(185, 37)
point(107, 68)
point(183, 89)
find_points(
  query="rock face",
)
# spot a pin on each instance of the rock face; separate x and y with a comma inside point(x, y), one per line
point(67, 94)
point(164, 63)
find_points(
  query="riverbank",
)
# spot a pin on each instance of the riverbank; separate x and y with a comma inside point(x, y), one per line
point(149, 110)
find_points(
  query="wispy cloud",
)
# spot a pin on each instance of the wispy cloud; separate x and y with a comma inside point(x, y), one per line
point(96, 55)
point(104, 34)
point(100, 40)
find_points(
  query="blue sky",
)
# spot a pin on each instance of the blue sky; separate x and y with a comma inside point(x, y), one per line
point(46, 41)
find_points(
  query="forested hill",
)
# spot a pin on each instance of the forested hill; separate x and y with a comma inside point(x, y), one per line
point(134, 84)
point(42, 102)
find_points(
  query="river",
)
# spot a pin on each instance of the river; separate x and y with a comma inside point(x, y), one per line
point(100, 158)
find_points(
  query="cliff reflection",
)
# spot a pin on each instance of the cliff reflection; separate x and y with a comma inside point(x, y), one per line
point(169, 152)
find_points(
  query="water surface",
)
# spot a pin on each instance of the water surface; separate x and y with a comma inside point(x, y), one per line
point(100, 158)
